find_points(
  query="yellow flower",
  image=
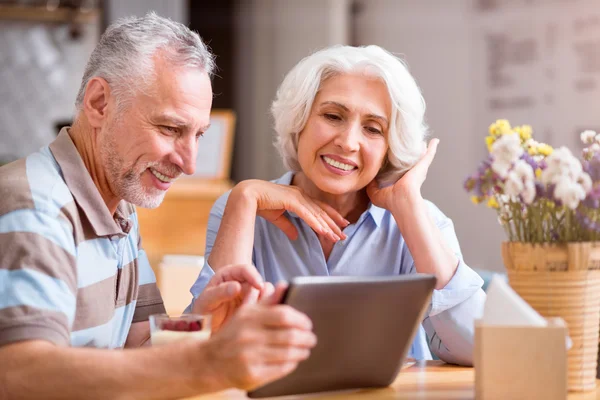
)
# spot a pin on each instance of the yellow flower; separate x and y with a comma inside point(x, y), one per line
point(538, 172)
point(475, 199)
point(493, 203)
point(489, 141)
point(532, 150)
point(544, 149)
point(500, 127)
point(524, 132)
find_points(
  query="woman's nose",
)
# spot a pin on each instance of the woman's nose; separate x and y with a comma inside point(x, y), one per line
point(348, 139)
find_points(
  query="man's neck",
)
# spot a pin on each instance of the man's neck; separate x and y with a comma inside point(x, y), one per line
point(84, 138)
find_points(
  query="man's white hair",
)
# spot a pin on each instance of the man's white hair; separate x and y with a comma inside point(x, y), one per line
point(124, 54)
point(407, 129)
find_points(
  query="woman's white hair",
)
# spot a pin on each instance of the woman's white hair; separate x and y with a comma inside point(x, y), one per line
point(124, 54)
point(407, 129)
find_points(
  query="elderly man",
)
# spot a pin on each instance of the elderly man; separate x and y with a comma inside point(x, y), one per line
point(74, 279)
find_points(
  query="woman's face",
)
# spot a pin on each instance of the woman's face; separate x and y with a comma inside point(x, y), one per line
point(343, 144)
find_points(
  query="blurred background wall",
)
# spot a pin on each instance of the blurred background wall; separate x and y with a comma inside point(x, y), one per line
point(535, 62)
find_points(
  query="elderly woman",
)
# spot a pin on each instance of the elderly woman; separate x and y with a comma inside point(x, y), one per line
point(350, 129)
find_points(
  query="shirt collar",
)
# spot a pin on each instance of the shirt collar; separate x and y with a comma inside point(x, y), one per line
point(375, 212)
point(85, 192)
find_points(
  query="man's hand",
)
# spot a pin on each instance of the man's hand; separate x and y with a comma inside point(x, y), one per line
point(261, 343)
point(227, 290)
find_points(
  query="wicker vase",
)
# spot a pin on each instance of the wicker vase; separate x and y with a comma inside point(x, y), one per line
point(562, 280)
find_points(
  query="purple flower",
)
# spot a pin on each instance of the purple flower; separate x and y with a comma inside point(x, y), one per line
point(541, 191)
point(485, 166)
point(587, 222)
point(592, 167)
point(592, 199)
point(529, 160)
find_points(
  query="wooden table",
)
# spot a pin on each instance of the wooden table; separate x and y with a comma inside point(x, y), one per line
point(418, 380)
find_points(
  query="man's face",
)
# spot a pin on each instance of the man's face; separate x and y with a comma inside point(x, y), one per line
point(155, 139)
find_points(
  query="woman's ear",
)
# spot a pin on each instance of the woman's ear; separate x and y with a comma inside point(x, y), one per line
point(96, 100)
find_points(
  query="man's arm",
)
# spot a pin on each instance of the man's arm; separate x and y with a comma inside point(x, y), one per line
point(261, 343)
point(39, 369)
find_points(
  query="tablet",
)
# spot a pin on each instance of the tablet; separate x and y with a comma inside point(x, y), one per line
point(364, 326)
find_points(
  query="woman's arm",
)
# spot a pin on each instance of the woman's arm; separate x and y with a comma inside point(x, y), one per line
point(431, 253)
point(248, 199)
point(450, 321)
point(433, 247)
point(235, 238)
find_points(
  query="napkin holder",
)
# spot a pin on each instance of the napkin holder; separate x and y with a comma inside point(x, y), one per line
point(521, 362)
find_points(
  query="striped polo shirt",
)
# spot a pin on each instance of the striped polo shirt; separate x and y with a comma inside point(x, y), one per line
point(70, 272)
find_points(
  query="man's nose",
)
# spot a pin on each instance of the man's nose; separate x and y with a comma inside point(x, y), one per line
point(185, 156)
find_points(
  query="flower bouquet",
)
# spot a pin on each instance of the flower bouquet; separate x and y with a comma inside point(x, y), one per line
point(548, 202)
point(542, 195)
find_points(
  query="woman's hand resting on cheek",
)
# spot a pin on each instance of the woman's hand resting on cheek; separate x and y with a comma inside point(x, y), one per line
point(406, 188)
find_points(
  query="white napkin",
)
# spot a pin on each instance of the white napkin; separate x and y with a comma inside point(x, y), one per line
point(504, 306)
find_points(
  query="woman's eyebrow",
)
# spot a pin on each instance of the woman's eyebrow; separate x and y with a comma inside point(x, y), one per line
point(343, 107)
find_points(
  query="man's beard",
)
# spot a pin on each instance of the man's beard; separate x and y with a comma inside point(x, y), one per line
point(130, 188)
point(126, 180)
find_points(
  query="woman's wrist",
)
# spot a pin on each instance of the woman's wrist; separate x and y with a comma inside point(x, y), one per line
point(406, 201)
point(243, 197)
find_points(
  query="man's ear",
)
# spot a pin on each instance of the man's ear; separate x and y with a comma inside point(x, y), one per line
point(96, 100)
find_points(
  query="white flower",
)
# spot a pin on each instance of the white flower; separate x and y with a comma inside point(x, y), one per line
point(528, 192)
point(527, 176)
point(565, 171)
point(513, 184)
point(501, 167)
point(585, 181)
point(587, 137)
point(521, 181)
point(524, 170)
point(569, 193)
point(594, 148)
point(505, 151)
point(530, 142)
point(561, 162)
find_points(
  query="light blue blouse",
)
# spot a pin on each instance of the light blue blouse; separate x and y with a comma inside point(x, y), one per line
point(374, 247)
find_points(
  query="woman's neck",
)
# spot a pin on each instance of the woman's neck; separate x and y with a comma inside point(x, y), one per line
point(348, 205)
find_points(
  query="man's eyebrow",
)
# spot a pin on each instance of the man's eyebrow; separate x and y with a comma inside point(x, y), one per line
point(180, 122)
point(204, 129)
point(174, 119)
point(343, 107)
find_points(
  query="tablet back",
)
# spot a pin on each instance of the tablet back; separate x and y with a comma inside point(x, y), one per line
point(364, 326)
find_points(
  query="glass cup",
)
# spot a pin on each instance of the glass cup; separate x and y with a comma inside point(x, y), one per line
point(167, 329)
